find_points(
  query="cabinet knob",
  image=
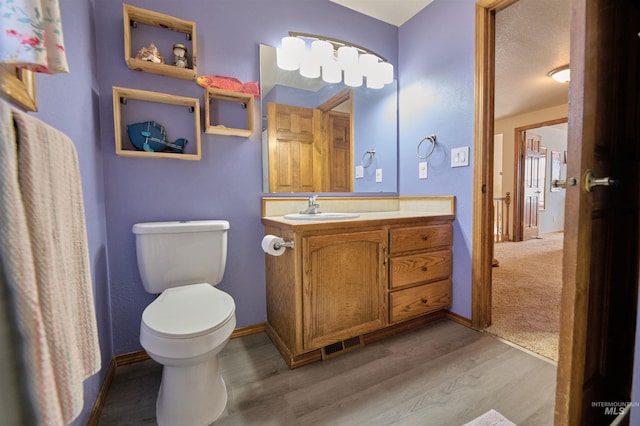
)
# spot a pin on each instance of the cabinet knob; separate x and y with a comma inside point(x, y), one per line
point(424, 300)
point(425, 237)
point(424, 268)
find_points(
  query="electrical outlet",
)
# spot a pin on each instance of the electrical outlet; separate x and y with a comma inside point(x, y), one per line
point(359, 172)
point(460, 157)
point(378, 175)
point(422, 170)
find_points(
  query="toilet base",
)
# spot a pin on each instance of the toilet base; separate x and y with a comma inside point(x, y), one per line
point(194, 395)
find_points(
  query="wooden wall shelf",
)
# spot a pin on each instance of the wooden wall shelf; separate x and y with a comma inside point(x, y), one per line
point(218, 95)
point(133, 15)
point(121, 94)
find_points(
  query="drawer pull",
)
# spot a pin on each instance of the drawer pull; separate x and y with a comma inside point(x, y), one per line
point(425, 237)
point(424, 268)
point(424, 300)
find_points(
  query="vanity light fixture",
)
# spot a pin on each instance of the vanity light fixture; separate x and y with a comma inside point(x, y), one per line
point(561, 74)
point(331, 59)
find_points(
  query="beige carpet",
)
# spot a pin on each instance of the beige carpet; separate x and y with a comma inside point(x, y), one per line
point(526, 293)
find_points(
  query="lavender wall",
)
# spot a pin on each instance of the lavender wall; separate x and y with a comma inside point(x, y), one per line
point(436, 74)
point(69, 102)
point(227, 182)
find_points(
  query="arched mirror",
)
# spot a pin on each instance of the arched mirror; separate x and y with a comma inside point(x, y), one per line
point(318, 137)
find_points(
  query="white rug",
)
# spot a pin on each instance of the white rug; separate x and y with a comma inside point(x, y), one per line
point(490, 418)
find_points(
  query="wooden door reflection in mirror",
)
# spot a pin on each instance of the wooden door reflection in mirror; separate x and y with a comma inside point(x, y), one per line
point(311, 149)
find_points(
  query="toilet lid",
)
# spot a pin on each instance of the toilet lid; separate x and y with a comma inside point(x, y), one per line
point(189, 311)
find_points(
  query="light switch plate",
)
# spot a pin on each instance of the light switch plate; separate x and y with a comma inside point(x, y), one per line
point(359, 172)
point(460, 157)
point(422, 170)
point(378, 175)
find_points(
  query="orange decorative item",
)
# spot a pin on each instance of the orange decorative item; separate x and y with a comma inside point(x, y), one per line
point(229, 83)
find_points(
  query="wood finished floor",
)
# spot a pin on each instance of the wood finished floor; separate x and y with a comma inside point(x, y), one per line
point(441, 374)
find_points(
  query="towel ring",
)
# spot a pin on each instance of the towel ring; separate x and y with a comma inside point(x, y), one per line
point(371, 153)
point(431, 139)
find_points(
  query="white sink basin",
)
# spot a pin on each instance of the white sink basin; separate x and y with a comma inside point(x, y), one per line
point(321, 216)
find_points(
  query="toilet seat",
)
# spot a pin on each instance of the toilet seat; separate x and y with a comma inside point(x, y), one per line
point(189, 311)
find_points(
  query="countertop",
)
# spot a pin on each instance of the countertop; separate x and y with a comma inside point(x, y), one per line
point(365, 218)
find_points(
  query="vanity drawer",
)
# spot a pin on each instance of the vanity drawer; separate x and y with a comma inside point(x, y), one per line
point(420, 238)
point(414, 301)
point(422, 267)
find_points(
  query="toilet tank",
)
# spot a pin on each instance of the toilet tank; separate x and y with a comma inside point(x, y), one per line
point(173, 254)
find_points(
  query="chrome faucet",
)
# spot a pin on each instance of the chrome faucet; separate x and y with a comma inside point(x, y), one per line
point(313, 206)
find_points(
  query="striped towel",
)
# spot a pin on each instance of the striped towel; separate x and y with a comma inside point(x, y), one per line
point(45, 258)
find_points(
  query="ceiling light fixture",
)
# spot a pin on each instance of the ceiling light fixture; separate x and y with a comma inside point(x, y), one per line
point(318, 56)
point(561, 74)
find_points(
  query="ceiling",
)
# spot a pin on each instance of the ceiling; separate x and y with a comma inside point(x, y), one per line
point(532, 38)
point(395, 12)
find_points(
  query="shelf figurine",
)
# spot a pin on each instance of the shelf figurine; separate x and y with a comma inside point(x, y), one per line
point(152, 137)
point(229, 83)
point(150, 53)
point(180, 56)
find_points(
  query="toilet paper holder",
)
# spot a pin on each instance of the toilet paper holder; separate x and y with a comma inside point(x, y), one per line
point(287, 244)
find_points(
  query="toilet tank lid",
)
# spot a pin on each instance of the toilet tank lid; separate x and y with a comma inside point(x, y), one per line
point(180, 226)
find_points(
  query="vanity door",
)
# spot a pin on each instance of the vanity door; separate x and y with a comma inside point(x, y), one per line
point(343, 286)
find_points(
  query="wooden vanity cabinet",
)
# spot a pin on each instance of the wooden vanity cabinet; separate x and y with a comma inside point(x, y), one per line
point(346, 281)
point(343, 291)
point(419, 270)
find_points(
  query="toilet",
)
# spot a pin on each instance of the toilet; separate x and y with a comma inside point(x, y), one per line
point(190, 321)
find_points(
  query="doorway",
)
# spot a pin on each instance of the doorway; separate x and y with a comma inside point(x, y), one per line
point(544, 143)
point(600, 267)
point(507, 102)
point(527, 282)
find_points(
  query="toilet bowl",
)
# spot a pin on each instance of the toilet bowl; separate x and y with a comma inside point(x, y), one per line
point(190, 321)
point(184, 329)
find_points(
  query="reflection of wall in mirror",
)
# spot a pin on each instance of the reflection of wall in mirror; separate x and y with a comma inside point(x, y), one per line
point(375, 126)
point(379, 132)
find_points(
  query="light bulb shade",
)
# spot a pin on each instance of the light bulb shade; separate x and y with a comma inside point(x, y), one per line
point(288, 56)
point(294, 45)
point(374, 82)
point(285, 60)
point(322, 51)
point(331, 72)
point(309, 66)
point(368, 63)
point(561, 74)
point(374, 79)
point(353, 76)
point(384, 71)
point(347, 57)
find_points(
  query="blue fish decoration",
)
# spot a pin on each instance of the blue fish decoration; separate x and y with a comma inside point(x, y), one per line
point(151, 137)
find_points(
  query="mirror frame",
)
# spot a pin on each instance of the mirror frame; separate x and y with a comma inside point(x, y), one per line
point(18, 87)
